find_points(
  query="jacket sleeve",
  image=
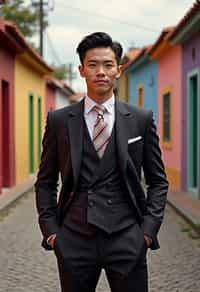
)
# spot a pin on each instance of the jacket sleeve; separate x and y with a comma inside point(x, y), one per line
point(47, 182)
point(156, 182)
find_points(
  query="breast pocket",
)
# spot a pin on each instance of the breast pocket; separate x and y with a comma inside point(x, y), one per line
point(136, 148)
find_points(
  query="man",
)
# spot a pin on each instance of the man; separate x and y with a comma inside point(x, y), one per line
point(103, 218)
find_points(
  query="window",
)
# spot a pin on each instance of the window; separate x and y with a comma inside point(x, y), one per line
point(193, 54)
point(140, 96)
point(166, 117)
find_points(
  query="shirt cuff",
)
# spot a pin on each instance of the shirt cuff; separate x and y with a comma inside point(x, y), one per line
point(50, 237)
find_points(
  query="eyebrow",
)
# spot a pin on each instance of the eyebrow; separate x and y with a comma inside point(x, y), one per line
point(96, 61)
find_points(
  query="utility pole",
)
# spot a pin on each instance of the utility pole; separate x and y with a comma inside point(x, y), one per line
point(1, 3)
point(43, 6)
point(41, 27)
point(70, 74)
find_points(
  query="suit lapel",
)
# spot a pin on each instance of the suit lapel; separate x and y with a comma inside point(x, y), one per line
point(75, 129)
point(122, 117)
point(125, 129)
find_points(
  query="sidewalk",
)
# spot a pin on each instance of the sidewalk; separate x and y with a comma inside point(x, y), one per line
point(9, 196)
point(183, 203)
point(187, 206)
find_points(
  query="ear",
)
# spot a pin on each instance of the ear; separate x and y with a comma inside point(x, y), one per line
point(81, 70)
point(119, 69)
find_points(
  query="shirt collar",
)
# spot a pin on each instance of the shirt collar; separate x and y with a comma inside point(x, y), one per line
point(108, 104)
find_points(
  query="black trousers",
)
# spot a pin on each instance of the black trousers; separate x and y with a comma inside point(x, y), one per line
point(122, 255)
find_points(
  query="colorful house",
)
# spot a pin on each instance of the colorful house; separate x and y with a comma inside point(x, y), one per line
point(8, 50)
point(63, 94)
point(142, 76)
point(57, 94)
point(187, 35)
point(50, 102)
point(30, 117)
point(169, 86)
point(123, 82)
point(23, 104)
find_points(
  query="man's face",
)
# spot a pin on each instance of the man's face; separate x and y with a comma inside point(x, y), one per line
point(100, 70)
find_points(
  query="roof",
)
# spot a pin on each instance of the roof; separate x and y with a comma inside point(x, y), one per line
point(141, 52)
point(166, 35)
point(132, 53)
point(187, 18)
point(61, 85)
point(17, 39)
point(77, 97)
point(163, 37)
point(129, 57)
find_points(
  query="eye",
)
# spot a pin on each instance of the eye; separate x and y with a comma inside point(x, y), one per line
point(92, 65)
point(109, 65)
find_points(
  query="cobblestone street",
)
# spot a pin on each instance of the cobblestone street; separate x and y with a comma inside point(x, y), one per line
point(25, 266)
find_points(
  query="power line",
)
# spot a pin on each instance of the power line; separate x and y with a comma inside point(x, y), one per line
point(41, 6)
point(70, 74)
point(54, 53)
point(41, 16)
point(91, 13)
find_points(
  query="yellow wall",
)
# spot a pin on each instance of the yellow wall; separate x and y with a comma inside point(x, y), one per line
point(27, 81)
point(174, 177)
point(122, 87)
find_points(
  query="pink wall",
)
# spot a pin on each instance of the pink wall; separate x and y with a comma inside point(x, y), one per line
point(50, 98)
point(7, 142)
point(169, 76)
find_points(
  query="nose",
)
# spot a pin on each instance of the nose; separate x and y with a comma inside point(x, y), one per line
point(100, 70)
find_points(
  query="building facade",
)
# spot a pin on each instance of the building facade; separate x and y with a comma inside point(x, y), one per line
point(22, 110)
point(8, 51)
point(142, 75)
point(187, 35)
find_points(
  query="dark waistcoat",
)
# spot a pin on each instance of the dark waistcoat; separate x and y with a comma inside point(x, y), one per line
point(101, 201)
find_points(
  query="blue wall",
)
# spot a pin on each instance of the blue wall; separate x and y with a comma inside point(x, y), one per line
point(145, 74)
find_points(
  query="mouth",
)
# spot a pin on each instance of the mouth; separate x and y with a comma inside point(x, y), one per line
point(103, 82)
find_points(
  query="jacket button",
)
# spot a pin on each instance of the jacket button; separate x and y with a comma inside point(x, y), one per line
point(90, 203)
point(109, 201)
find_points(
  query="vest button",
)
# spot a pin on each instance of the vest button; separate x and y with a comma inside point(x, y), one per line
point(109, 201)
point(90, 192)
point(90, 203)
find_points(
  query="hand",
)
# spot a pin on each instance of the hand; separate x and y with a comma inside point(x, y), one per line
point(148, 240)
point(51, 240)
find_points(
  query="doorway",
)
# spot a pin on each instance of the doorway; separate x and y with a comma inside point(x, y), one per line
point(5, 134)
point(31, 135)
point(193, 134)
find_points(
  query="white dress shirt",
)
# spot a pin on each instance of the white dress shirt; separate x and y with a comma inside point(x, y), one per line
point(91, 116)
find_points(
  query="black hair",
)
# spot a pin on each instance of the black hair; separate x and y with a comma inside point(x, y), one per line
point(98, 40)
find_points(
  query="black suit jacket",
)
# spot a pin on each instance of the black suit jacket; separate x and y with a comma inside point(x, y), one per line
point(62, 150)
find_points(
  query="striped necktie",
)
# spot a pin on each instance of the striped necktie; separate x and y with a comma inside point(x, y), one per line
point(101, 133)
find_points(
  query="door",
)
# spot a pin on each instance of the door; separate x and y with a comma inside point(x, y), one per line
point(5, 121)
point(31, 134)
point(193, 134)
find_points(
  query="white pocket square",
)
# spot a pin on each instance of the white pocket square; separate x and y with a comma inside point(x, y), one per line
point(132, 140)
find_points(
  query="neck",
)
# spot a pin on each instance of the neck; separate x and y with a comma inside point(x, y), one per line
point(98, 98)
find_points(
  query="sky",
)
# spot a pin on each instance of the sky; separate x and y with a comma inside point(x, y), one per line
point(131, 22)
